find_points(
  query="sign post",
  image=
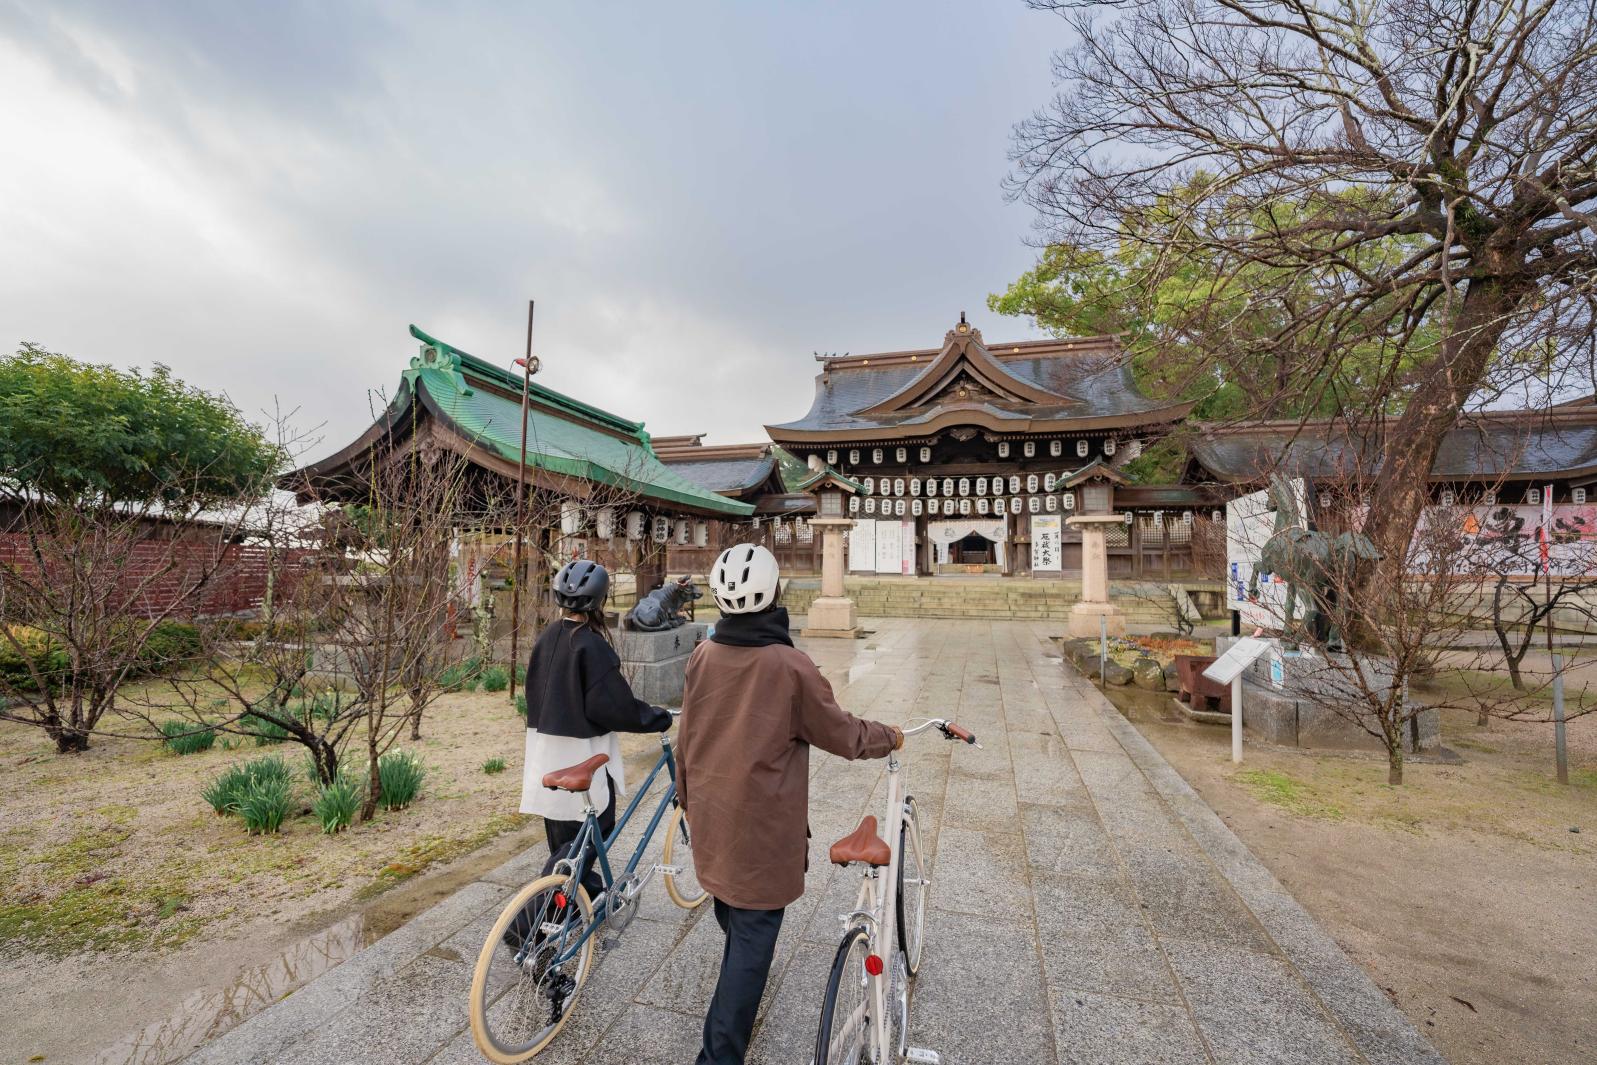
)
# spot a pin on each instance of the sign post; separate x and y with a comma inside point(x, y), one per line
point(1545, 535)
point(1228, 669)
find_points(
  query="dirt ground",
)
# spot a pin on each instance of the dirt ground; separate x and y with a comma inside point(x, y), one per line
point(124, 898)
point(1467, 892)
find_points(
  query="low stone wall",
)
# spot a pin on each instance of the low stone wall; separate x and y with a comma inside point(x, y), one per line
point(656, 663)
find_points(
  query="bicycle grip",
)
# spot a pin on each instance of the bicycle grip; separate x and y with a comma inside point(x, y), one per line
point(960, 733)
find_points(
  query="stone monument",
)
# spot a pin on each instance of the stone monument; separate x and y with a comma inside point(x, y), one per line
point(1095, 605)
point(833, 612)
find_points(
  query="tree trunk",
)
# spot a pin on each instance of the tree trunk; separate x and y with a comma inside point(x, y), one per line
point(325, 758)
point(1411, 442)
point(1394, 763)
point(69, 740)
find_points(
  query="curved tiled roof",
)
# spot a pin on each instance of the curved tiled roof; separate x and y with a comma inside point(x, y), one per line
point(1520, 445)
point(1034, 386)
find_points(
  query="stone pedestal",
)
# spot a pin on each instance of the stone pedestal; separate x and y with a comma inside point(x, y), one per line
point(832, 613)
point(655, 663)
point(1095, 605)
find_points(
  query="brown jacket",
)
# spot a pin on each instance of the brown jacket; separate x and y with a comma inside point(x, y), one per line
point(749, 718)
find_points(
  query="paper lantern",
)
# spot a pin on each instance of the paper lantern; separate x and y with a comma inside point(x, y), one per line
point(684, 532)
point(1029, 448)
point(1056, 448)
point(914, 486)
point(901, 454)
point(925, 454)
point(981, 486)
point(870, 485)
point(964, 486)
point(981, 505)
point(853, 457)
point(1014, 484)
point(964, 506)
point(570, 518)
point(1003, 449)
point(932, 505)
point(701, 534)
point(1031, 482)
point(898, 486)
point(1081, 448)
point(606, 522)
point(1069, 500)
point(1048, 482)
point(662, 530)
point(876, 455)
point(931, 486)
point(915, 507)
point(1109, 446)
point(853, 504)
point(635, 525)
point(948, 486)
point(1051, 504)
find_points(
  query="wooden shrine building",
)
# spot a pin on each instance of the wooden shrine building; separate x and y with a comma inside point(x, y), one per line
point(972, 455)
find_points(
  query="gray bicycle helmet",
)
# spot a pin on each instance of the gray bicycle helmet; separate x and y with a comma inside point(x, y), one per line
point(581, 585)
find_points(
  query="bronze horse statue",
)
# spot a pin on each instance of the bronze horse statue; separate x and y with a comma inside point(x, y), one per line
point(1316, 566)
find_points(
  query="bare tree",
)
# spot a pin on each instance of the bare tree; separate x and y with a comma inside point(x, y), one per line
point(1385, 208)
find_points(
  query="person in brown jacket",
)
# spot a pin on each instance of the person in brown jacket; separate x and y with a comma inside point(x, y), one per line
point(752, 708)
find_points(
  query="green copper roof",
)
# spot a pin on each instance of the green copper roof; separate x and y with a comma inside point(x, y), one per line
point(569, 438)
point(826, 473)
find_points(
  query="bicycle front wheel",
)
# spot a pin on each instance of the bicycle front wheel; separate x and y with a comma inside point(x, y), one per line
point(844, 1037)
point(682, 884)
point(912, 884)
point(528, 976)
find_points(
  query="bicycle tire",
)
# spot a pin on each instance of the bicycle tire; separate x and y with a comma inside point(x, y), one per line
point(837, 986)
point(677, 835)
point(482, 1025)
point(911, 928)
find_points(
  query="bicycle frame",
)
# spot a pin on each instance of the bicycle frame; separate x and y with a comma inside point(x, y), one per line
point(589, 839)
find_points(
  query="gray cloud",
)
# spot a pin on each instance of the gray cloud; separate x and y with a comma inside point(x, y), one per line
point(263, 196)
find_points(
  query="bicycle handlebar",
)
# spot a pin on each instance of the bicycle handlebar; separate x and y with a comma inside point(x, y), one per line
point(947, 728)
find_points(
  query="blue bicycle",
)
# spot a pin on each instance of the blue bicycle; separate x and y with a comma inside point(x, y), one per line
point(539, 952)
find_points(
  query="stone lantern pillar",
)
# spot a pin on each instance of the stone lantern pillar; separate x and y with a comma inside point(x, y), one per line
point(833, 612)
point(1095, 604)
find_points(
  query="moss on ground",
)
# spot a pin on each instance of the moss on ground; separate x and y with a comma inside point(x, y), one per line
point(1292, 795)
point(99, 914)
point(432, 850)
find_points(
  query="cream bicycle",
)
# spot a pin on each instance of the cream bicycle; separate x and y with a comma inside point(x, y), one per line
point(865, 1014)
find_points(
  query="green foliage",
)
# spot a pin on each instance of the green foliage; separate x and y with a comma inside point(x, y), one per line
point(265, 730)
point(222, 793)
point(75, 431)
point(495, 679)
point(168, 645)
point(461, 676)
point(187, 737)
point(44, 653)
point(493, 765)
point(226, 793)
point(521, 705)
point(400, 773)
point(336, 804)
point(1161, 462)
point(265, 804)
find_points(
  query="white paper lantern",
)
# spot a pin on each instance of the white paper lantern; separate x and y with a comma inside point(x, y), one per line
point(1069, 500)
point(932, 505)
point(853, 504)
point(870, 485)
point(1109, 446)
point(948, 486)
point(1031, 482)
point(1034, 504)
point(1186, 517)
point(902, 454)
point(831, 458)
point(1217, 515)
point(1048, 482)
point(1030, 448)
point(1003, 449)
point(898, 486)
point(931, 486)
point(684, 532)
point(1051, 504)
point(964, 486)
point(1056, 448)
point(925, 454)
point(914, 486)
point(853, 457)
point(981, 486)
point(1128, 517)
point(876, 455)
point(756, 521)
point(915, 507)
point(635, 525)
point(898, 507)
point(662, 530)
point(570, 518)
point(870, 505)
point(606, 522)
point(1016, 506)
point(1014, 484)
point(999, 506)
point(1081, 448)
point(981, 505)
point(964, 506)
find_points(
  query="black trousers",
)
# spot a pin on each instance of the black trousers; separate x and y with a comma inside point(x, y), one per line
point(561, 835)
point(745, 964)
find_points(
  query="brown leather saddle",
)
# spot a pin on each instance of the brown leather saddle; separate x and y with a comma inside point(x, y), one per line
point(862, 845)
point(577, 777)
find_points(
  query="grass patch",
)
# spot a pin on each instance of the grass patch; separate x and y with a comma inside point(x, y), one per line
point(493, 765)
point(226, 792)
point(105, 914)
point(432, 850)
point(462, 676)
point(521, 705)
point(185, 737)
point(399, 773)
point(336, 804)
point(1294, 796)
point(495, 679)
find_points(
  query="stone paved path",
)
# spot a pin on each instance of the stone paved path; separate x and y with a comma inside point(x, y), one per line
point(1086, 906)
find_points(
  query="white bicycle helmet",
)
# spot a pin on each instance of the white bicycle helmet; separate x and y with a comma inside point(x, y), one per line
point(744, 579)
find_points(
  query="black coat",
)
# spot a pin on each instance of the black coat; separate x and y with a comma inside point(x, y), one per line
point(575, 687)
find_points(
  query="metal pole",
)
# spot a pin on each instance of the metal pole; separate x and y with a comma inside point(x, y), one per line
point(1236, 718)
point(1560, 750)
point(521, 479)
point(1103, 649)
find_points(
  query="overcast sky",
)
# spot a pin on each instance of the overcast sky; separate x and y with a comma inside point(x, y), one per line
point(263, 196)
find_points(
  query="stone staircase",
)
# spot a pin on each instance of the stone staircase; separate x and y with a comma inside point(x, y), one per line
point(1146, 604)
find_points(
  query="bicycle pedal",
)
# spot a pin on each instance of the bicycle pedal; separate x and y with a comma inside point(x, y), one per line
point(668, 870)
point(923, 1057)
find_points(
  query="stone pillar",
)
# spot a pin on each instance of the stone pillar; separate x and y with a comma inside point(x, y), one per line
point(832, 613)
point(1095, 604)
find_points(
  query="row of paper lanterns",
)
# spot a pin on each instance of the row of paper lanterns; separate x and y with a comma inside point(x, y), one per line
point(964, 486)
point(635, 524)
point(981, 505)
point(1028, 449)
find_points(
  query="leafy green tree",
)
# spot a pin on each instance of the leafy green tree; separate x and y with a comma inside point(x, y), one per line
point(92, 434)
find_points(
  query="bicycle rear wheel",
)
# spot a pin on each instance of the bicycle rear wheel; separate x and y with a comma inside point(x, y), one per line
point(521, 994)
point(912, 884)
point(683, 885)
point(844, 1037)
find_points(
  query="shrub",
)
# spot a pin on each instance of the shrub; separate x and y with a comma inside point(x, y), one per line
point(223, 792)
point(400, 773)
point(336, 804)
point(270, 768)
point(265, 804)
point(43, 651)
point(170, 643)
point(493, 765)
point(186, 737)
point(461, 677)
point(521, 705)
point(495, 679)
